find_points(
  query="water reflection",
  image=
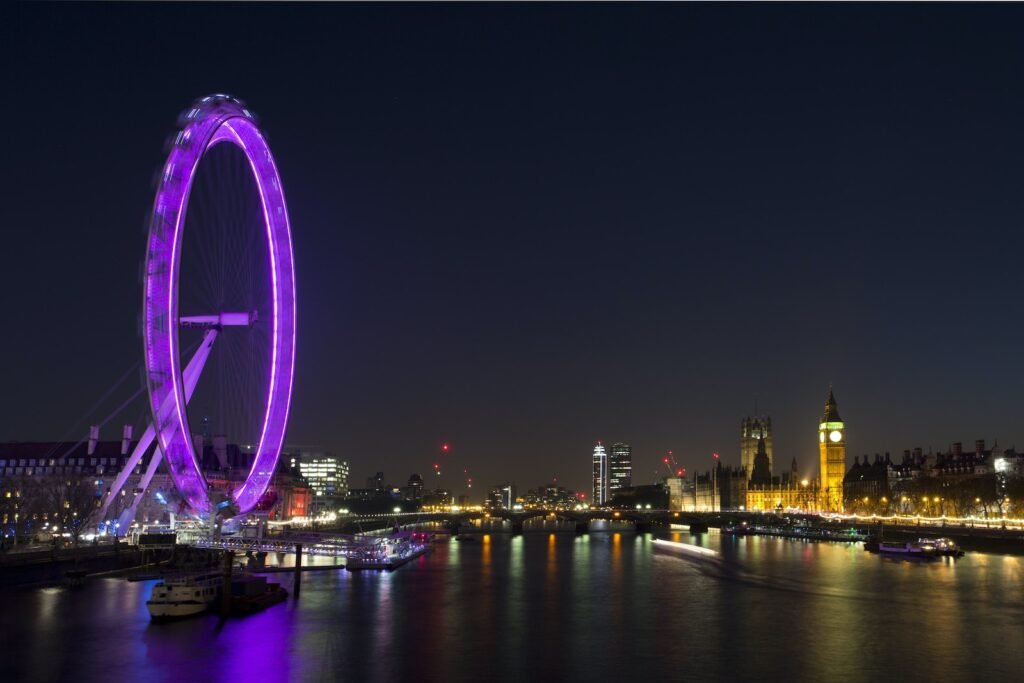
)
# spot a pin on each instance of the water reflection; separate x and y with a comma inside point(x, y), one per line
point(554, 606)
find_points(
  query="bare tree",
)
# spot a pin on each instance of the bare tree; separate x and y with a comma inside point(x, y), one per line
point(19, 509)
point(66, 501)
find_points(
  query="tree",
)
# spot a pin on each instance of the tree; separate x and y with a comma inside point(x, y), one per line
point(19, 510)
point(67, 501)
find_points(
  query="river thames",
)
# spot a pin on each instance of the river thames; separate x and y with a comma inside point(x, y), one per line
point(556, 606)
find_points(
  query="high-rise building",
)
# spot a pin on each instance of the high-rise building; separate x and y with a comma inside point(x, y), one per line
point(376, 482)
point(502, 497)
point(752, 430)
point(832, 450)
point(620, 468)
point(326, 474)
point(600, 489)
point(414, 488)
point(508, 496)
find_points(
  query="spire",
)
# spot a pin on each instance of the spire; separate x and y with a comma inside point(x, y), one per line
point(762, 473)
point(831, 411)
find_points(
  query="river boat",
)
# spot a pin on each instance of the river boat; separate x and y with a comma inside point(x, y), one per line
point(251, 593)
point(944, 547)
point(906, 549)
point(807, 533)
point(390, 553)
point(184, 595)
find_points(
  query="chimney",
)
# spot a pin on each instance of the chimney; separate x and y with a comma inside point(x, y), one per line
point(958, 449)
point(94, 436)
point(126, 439)
point(979, 446)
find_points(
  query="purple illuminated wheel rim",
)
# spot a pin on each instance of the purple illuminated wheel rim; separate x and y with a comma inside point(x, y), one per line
point(211, 121)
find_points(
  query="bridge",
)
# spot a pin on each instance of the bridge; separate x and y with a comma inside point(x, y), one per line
point(643, 520)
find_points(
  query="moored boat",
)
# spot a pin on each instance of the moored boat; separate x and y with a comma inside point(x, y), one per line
point(390, 553)
point(250, 593)
point(806, 533)
point(184, 595)
point(945, 547)
point(906, 549)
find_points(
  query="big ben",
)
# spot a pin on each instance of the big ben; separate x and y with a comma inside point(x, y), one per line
point(832, 448)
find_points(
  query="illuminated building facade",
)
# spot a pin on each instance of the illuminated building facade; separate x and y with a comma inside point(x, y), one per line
point(620, 468)
point(755, 432)
point(775, 494)
point(326, 474)
point(502, 497)
point(681, 494)
point(553, 496)
point(600, 481)
point(832, 457)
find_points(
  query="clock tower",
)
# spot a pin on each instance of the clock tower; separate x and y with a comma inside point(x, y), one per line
point(832, 449)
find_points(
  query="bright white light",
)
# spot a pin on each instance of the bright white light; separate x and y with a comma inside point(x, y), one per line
point(686, 548)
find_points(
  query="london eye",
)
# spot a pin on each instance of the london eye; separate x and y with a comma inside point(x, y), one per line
point(219, 277)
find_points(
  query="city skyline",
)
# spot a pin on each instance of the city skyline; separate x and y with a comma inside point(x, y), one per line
point(673, 223)
point(473, 341)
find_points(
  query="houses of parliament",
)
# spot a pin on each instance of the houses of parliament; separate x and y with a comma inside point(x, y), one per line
point(754, 486)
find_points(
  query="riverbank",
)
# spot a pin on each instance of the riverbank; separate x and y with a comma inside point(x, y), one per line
point(49, 568)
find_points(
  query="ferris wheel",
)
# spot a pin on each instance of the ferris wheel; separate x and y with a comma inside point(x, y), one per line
point(218, 319)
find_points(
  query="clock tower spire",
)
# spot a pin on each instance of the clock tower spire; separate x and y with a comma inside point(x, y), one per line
point(832, 451)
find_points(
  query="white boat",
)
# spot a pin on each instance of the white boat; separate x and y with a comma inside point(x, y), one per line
point(906, 549)
point(184, 595)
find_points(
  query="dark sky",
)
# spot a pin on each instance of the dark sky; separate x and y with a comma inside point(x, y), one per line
point(519, 229)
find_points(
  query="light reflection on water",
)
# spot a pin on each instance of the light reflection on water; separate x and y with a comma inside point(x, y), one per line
point(551, 605)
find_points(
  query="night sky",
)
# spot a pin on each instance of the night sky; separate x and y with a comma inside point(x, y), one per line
point(519, 229)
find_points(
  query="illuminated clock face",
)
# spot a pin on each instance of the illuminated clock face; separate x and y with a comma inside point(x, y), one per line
point(821, 437)
point(836, 436)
